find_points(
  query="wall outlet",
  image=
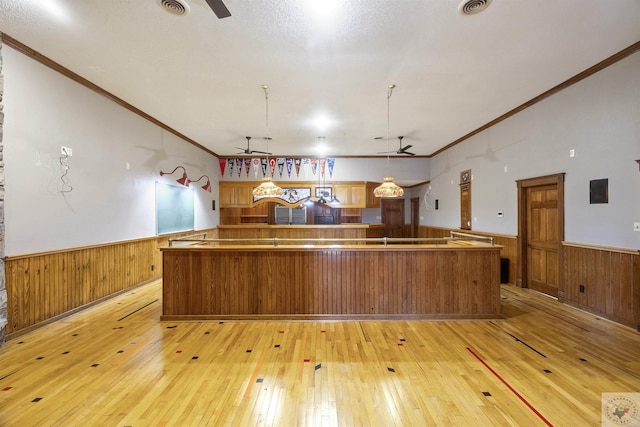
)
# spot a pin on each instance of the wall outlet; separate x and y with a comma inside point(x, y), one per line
point(636, 226)
point(500, 214)
point(572, 153)
point(581, 288)
point(66, 151)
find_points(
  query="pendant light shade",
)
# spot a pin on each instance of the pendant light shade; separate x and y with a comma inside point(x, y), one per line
point(388, 189)
point(267, 189)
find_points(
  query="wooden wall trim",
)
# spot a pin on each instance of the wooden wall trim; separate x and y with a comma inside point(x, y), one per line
point(602, 248)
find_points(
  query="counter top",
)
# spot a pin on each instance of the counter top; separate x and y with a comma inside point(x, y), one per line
point(310, 226)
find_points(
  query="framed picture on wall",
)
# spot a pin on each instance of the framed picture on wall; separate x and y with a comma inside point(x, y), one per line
point(325, 192)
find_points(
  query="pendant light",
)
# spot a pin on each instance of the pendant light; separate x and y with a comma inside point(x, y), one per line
point(388, 188)
point(267, 188)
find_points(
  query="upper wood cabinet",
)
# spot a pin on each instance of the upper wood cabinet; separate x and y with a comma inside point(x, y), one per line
point(371, 200)
point(350, 195)
point(236, 194)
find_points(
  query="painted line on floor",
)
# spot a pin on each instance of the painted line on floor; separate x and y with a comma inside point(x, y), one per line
point(132, 350)
point(530, 406)
point(135, 311)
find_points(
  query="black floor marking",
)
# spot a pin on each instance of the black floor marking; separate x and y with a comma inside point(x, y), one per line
point(194, 358)
point(40, 358)
point(391, 370)
point(135, 311)
point(248, 351)
point(66, 352)
point(171, 327)
point(259, 380)
point(318, 366)
point(95, 365)
point(402, 339)
point(546, 371)
point(277, 345)
point(37, 399)
point(486, 393)
point(366, 338)
point(8, 375)
point(519, 340)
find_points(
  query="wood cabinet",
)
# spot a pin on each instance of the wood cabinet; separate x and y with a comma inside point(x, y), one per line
point(371, 200)
point(236, 195)
point(350, 195)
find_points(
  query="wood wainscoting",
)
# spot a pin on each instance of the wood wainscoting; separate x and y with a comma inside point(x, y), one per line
point(602, 280)
point(358, 282)
point(508, 243)
point(44, 287)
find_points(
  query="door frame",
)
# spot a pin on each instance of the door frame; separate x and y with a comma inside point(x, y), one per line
point(522, 279)
point(415, 216)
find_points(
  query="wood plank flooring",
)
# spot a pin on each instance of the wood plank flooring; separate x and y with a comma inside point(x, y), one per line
point(116, 364)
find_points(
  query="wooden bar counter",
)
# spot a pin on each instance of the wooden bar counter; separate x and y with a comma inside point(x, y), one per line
point(346, 231)
point(444, 281)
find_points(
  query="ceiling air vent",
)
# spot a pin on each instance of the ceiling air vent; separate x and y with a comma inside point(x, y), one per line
point(469, 7)
point(175, 7)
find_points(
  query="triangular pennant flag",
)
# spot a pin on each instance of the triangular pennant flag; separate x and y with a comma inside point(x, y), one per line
point(272, 166)
point(239, 163)
point(297, 163)
point(230, 162)
point(247, 165)
point(331, 163)
point(314, 165)
point(223, 164)
point(263, 163)
point(280, 161)
point(289, 166)
point(323, 163)
point(305, 166)
point(256, 166)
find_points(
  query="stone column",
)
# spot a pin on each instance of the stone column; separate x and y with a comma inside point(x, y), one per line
point(3, 282)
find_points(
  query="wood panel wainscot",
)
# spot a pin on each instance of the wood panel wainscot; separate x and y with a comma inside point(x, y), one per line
point(350, 282)
point(604, 281)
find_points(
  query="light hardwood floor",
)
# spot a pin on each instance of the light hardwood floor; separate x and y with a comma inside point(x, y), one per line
point(116, 364)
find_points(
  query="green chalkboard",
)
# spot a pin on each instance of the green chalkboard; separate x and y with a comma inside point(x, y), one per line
point(174, 208)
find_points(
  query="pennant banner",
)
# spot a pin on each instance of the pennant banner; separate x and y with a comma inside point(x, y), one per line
point(223, 164)
point(239, 163)
point(263, 163)
point(323, 163)
point(289, 166)
point(331, 163)
point(230, 163)
point(247, 165)
point(297, 163)
point(314, 165)
point(280, 161)
point(256, 166)
point(272, 166)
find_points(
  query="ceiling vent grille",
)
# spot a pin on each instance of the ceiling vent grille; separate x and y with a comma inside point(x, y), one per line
point(175, 7)
point(470, 7)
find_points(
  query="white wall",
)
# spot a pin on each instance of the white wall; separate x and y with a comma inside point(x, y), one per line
point(117, 157)
point(598, 117)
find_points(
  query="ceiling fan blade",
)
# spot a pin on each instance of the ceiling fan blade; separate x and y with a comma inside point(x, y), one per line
point(387, 152)
point(406, 148)
point(411, 154)
point(219, 8)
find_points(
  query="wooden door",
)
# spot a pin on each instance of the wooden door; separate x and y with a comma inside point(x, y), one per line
point(415, 216)
point(541, 230)
point(393, 216)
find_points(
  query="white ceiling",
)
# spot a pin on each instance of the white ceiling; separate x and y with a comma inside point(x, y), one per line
point(202, 75)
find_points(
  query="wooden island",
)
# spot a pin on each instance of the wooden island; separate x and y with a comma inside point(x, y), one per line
point(408, 281)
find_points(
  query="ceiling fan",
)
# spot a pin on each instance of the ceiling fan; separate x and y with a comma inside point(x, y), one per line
point(248, 150)
point(401, 149)
point(219, 8)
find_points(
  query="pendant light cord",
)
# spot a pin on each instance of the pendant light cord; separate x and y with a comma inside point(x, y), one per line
point(389, 93)
point(266, 121)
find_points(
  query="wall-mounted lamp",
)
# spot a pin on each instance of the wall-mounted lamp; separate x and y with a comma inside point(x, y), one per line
point(184, 180)
point(207, 186)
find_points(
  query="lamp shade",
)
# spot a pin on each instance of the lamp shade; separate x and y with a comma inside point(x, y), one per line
point(267, 189)
point(388, 189)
